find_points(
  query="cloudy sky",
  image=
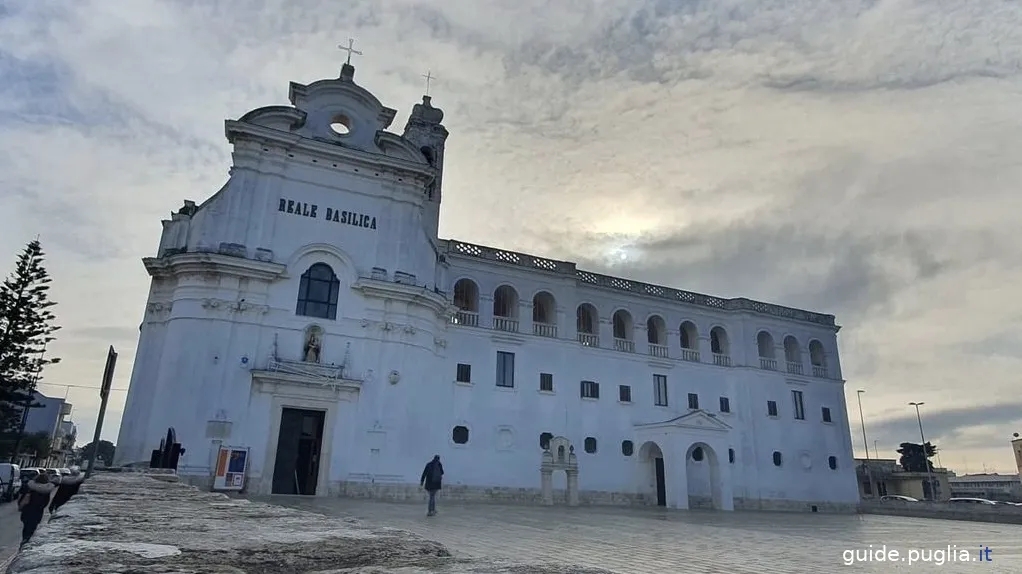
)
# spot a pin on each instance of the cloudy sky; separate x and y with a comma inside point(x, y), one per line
point(854, 157)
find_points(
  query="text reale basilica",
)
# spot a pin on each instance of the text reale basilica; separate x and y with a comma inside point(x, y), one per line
point(331, 214)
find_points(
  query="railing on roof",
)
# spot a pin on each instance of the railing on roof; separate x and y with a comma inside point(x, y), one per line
point(617, 283)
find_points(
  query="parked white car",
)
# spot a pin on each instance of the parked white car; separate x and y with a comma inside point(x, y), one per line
point(967, 500)
point(10, 481)
point(897, 497)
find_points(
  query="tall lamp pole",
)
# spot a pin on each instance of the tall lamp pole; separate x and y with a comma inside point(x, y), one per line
point(865, 443)
point(926, 460)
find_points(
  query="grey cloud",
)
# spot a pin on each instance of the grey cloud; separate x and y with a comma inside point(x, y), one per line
point(103, 333)
point(950, 426)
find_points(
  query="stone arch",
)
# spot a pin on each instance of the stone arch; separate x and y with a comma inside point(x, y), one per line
point(624, 325)
point(544, 314)
point(720, 346)
point(689, 336)
point(466, 295)
point(792, 353)
point(653, 473)
point(466, 299)
point(817, 356)
point(559, 455)
point(587, 325)
point(505, 302)
point(656, 330)
point(765, 346)
point(703, 475)
point(338, 260)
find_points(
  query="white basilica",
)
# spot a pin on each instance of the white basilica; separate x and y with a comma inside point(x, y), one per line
point(309, 312)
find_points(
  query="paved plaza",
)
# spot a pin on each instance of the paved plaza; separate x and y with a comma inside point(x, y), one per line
point(658, 541)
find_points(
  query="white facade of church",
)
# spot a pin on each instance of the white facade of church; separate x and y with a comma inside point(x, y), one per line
point(309, 312)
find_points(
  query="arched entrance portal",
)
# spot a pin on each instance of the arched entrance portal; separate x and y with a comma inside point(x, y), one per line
point(652, 460)
point(702, 471)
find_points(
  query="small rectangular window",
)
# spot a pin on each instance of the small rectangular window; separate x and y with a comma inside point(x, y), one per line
point(693, 401)
point(546, 382)
point(725, 405)
point(800, 409)
point(624, 393)
point(505, 369)
point(464, 373)
point(660, 390)
point(826, 415)
point(590, 390)
point(772, 408)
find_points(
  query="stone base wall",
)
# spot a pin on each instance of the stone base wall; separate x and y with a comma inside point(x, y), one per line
point(1002, 514)
point(402, 492)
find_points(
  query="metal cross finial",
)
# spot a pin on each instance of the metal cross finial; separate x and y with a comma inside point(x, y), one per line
point(428, 77)
point(350, 49)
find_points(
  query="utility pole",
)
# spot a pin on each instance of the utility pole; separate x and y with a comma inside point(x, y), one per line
point(926, 460)
point(865, 443)
point(104, 394)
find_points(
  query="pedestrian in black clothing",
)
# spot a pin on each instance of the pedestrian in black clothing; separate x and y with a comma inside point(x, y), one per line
point(431, 478)
point(68, 487)
point(32, 504)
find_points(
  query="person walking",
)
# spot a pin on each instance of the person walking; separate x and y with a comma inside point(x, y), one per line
point(431, 478)
point(32, 504)
point(68, 487)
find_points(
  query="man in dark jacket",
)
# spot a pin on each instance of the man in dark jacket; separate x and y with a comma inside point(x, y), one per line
point(431, 478)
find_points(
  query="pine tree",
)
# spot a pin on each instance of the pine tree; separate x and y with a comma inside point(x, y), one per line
point(26, 327)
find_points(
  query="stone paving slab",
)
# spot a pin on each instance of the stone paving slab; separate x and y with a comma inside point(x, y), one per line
point(130, 523)
point(659, 541)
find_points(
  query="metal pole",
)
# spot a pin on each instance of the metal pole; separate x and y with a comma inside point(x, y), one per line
point(926, 460)
point(865, 443)
point(104, 394)
point(876, 451)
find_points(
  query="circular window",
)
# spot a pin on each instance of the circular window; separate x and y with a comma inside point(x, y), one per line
point(697, 454)
point(340, 124)
point(459, 435)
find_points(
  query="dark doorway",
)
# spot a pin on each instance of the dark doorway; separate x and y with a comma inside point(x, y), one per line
point(661, 486)
point(296, 470)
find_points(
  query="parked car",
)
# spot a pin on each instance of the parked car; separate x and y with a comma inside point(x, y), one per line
point(897, 497)
point(10, 481)
point(968, 500)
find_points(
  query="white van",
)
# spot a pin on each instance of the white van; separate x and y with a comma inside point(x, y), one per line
point(10, 481)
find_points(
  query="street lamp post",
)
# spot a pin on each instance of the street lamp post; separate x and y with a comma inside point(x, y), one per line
point(865, 443)
point(926, 460)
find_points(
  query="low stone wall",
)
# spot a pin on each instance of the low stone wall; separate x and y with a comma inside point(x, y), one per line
point(133, 522)
point(973, 512)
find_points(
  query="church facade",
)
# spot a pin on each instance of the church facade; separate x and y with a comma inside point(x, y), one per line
point(310, 313)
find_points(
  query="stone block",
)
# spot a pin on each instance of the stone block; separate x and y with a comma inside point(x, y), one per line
point(129, 522)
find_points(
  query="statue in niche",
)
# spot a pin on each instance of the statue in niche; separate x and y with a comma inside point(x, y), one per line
point(311, 352)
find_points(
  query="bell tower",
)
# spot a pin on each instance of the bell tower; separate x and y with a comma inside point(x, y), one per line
point(426, 131)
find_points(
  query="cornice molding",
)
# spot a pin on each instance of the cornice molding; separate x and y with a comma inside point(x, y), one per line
point(212, 263)
point(327, 151)
point(408, 294)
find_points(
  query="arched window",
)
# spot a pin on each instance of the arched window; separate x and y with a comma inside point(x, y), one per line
point(777, 458)
point(731, 455)
point(832, 462)
point(590, 444)
point(317, 292)
point(627, 447)
point(544, 440)
point(697, 454)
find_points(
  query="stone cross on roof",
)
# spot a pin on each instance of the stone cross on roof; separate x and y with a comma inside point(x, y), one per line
point(428, 77)
point(350, 49)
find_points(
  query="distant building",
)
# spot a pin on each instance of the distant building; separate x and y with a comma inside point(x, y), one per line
point(992, 486)
point(49, 418)
point(1016, 445)
point(881, 477)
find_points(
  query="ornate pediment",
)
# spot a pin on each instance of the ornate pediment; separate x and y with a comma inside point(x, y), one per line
point(695, 420)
